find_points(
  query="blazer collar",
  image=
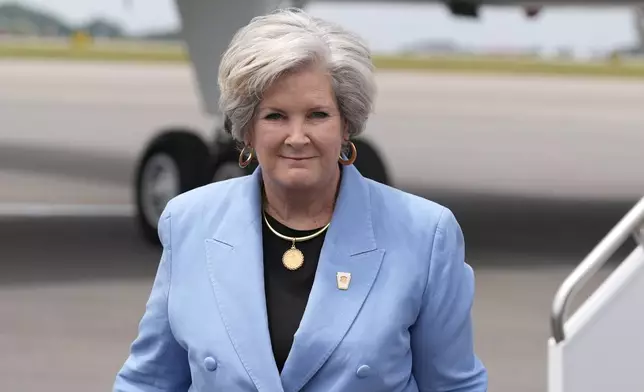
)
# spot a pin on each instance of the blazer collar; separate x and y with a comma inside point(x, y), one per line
point(235, 261)
point(352, 214)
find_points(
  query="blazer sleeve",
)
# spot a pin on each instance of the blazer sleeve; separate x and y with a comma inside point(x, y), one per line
point(156, 361)
point(442, 338)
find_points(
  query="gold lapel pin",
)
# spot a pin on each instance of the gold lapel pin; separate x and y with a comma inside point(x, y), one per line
point(343, 279)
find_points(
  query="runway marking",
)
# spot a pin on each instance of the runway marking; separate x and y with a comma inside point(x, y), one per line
point(33, 210)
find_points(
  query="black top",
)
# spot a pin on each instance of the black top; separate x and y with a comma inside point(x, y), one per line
point(287, 292)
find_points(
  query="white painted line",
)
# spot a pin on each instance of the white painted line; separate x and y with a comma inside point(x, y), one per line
point(33, 210)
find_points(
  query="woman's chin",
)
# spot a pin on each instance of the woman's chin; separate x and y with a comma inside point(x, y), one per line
point(299, 178)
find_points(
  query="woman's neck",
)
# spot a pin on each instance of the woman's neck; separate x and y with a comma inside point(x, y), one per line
point(301, 209)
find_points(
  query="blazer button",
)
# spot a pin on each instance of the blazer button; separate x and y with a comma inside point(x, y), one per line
point(363, 371)
point(210, 364)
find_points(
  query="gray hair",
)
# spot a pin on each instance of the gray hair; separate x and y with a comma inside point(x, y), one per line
point(281, 42)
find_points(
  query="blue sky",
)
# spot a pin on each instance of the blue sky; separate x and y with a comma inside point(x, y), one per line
point(389, 26)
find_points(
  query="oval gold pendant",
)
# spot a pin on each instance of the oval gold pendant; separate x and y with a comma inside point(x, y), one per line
point(293, 259)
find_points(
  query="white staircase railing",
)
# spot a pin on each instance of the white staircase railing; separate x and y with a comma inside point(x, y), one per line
point(601, 346)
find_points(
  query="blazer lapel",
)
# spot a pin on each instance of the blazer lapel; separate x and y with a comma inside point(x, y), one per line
point(349, 247)
point(235, 264)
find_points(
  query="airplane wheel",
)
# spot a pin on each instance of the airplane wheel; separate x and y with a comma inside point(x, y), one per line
point(369, 162)
point(175, 162)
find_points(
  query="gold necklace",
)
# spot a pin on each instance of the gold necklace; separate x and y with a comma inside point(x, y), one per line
point(293, 258)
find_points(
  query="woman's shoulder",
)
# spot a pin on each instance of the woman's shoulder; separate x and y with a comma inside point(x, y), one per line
point(392, 201)
point(192, 202)
point(418, 233)
point(396, 213)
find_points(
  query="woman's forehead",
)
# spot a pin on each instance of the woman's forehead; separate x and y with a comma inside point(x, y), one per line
point(297, 82)
point(296, 90)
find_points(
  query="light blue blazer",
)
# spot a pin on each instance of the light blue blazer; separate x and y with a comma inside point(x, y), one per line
point(403, 324)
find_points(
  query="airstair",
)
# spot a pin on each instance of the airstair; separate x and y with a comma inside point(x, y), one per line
point(600, 348)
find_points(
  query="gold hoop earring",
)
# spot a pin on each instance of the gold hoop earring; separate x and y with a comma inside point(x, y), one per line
point(245, 162)
point(352, 157)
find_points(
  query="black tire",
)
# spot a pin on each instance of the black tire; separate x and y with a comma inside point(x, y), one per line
point(191, 160)
point(369, 162)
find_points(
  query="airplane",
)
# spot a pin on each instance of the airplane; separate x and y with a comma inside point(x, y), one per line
point(598, 349)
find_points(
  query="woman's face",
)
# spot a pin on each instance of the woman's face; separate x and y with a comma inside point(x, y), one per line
point(297, 131)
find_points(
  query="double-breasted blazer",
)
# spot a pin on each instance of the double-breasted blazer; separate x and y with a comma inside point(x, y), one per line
point(402, 324)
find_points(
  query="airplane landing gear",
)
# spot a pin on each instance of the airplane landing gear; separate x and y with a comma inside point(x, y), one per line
point(174, 162)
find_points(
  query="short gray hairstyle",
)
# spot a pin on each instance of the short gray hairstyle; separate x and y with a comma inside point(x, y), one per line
point(282, 42)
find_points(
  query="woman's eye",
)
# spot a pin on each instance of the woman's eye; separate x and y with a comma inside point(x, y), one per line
point(319, 115)
point(273, 116)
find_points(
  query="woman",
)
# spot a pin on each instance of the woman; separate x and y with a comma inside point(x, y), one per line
point(304, 275)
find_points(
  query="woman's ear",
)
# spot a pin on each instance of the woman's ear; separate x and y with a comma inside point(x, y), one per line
point(345, 132)
point(248, 137)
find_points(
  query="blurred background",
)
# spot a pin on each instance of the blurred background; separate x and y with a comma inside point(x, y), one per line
point(527, 122)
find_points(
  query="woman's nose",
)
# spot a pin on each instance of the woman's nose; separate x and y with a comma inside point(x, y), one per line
point(297, 133)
